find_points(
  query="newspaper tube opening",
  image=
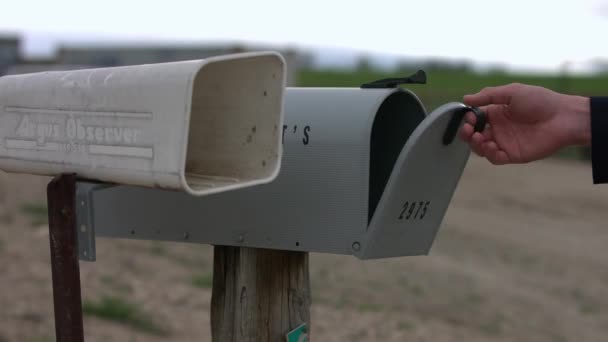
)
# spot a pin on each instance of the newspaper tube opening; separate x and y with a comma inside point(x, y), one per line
point(234, 124)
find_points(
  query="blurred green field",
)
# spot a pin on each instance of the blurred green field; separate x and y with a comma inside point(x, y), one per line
point(451, 85)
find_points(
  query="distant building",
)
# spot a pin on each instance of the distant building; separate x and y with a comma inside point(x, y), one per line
point(118, 55)
point(9, 52)
point(98, 56)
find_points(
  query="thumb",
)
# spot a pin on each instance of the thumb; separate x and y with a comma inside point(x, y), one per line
point(491, 95)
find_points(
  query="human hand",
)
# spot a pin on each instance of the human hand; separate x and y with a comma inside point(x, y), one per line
point(526, 123)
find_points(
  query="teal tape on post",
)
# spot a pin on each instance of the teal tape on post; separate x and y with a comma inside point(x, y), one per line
point(298, 334)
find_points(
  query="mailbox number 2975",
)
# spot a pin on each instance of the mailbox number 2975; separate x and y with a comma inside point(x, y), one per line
point(415, 210)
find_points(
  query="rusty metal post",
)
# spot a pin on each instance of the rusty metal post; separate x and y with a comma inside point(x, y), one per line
point(61, 197)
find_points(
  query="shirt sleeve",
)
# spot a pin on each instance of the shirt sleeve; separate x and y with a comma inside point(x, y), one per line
point(599, 138)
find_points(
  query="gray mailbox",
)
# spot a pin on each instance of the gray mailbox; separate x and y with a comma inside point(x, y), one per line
point(365, 172)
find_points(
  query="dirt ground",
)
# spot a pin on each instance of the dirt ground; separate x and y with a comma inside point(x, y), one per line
point(522, 256)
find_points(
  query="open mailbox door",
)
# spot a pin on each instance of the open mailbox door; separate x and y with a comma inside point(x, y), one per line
point(365, 172)
point(420, 188)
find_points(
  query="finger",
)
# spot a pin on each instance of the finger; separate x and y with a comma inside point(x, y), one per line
point(476, 144)
point(466, 132)
point(494, 113)
point(498, 157)
point(477, 138)
point(489, 148)
point(491, 95)
point(477, 150)
point(470, 118)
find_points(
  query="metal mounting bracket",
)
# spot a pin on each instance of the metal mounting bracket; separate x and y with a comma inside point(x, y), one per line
point(85, 229)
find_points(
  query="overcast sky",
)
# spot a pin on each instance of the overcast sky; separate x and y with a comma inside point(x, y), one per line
point(523, 33)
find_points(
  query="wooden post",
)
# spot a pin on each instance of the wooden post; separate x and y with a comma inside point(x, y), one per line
point(259, 295)
point(61, 198)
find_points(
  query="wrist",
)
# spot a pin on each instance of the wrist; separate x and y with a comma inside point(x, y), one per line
point(577, 114)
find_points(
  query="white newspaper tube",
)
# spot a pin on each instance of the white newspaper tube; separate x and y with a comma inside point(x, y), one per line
point(202, 126)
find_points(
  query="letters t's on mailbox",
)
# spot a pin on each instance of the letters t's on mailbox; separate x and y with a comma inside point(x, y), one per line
point(201, 126)
point(365, 172)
